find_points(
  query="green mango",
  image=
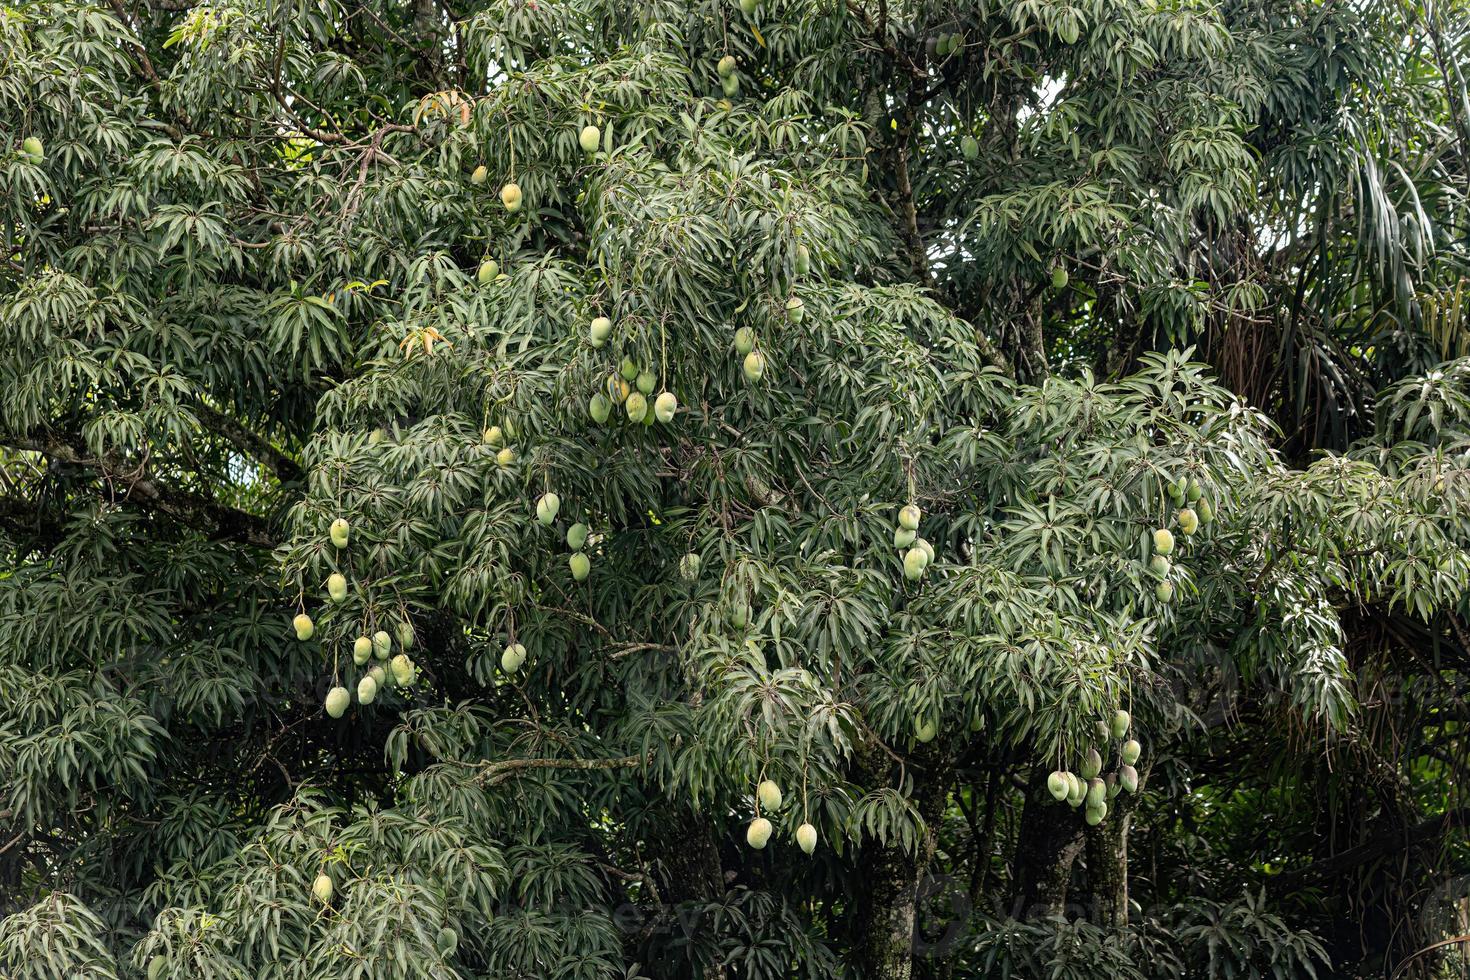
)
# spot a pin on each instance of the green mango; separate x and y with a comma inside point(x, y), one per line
point(636, 406)
point(588, 139)
point(577, 536)
point(337, 701)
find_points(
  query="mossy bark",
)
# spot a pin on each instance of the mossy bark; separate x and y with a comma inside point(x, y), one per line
point(888, 907)
point(1050, 842)
point(1107, 870)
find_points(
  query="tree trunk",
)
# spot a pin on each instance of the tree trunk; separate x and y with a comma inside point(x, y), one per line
point(1107, 868)
point(887, 913)
point(1051, 840)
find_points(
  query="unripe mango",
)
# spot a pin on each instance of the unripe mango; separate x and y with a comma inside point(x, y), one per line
point(1076, 790)
point(362, 650)
point(367, 689)
point(689, 567)
point(1058, 786)
point(1164, 592)
point(1188, 521)
point(748, 7)
point(494, 436)
point(758, 833)
point(730, 85)
point(382, 644)
point(599, 408)
point(405, 635)
point(478, 175)
point(1205, 511)
point(802, 260)
point(806, 837)
point(488, 270)
point(925, 729)
point(599, 330)
point(577, 536)
point(739, 614)
point(1194, 491)
point(510, 196)
point(969, 147)
point(914, 562)
point(547, 508)
point(321, 889)
point(512, 658)
point(926, 548)
point(1096, 814)
point(754, 366)
point(769, 794)
point(1163, 541)
point(726, 66)
point(1097, 791)
point(795, 309)
point(909, 517)
point(1059, 277)
point(1130, 752)
point(305, 628)
point(403, 669)
point(446, 941)
point(646, 382)
point(337, 586)
point(505, 457)
point(664, 406)
point(1159, 565)
point(636, 406)
point(1128, 778)
point(1121, 721)
point(588, 139)
point(339, 532)
point(580, 565)
point(1091, 764)
point(337, 701)
point(628, 368)
point(744, 341)
point(32, 147)
point(903, 537)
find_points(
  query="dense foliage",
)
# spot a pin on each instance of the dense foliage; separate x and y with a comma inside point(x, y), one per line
point(733, 489)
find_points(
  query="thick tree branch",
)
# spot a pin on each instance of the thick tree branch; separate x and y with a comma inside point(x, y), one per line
point(1425, 832)
point(248, 442)
point(498, 772)
point(198, 512)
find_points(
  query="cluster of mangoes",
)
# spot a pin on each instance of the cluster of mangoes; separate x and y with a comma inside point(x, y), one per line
point(400, 670)
point(498, 438)
point(1194, 513)
point(548, 505)
point(918, 554)
point(758, 833)
point(629, 386)
point(1088, 786)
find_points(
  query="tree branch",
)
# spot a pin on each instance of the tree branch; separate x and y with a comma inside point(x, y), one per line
point(249, 442)
point(198, 512)
point(498, 772)
point(1425, 832)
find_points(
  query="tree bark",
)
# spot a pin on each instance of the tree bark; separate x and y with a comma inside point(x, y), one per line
point(1051, 840)
point(887, 913)
point(1107, 868)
